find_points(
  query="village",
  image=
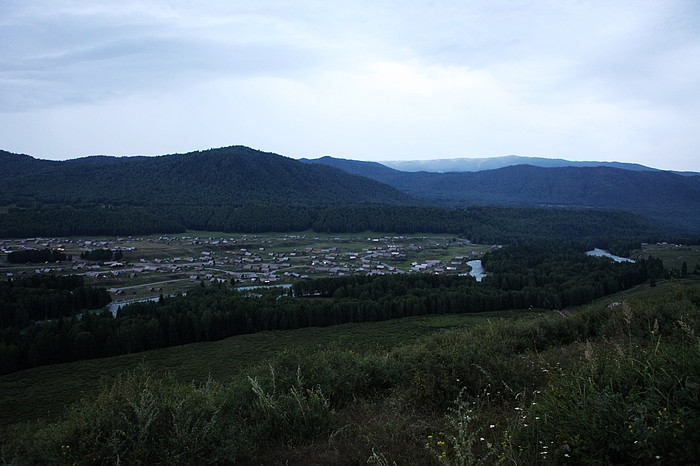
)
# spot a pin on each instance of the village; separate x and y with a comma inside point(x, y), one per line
point(144, 267)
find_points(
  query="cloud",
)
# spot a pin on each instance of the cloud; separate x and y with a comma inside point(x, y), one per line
point(82, 55)
point(369, 79)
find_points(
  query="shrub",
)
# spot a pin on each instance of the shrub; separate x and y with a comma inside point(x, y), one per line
point(290, 414)
point(141, 418)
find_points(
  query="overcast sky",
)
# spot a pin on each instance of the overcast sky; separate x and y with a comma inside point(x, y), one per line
point(367, 80)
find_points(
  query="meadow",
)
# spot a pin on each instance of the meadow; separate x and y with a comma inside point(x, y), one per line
point(672, 255)
point(44, 392)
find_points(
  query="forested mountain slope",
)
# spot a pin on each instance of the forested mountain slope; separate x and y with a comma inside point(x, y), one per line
point(663, 196)
point(238, 189)
point(231, 175)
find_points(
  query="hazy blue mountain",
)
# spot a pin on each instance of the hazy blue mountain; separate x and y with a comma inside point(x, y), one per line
point(492, 163)
point(373, 170)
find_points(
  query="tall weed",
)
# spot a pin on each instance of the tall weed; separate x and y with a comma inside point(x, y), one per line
point(144, 418)
point(290, 413)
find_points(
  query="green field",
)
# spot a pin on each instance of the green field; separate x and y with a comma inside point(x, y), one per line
point(672, 255)
point(45, 391)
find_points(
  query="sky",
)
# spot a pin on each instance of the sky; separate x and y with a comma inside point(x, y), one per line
point(366, 80)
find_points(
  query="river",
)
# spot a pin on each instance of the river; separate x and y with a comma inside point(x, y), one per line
point(601, 253)
point(477, 270)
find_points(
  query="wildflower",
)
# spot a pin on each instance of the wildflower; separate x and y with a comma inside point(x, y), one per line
point(492, 426)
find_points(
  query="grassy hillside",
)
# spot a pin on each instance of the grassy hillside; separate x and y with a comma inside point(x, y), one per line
point(46, 391)
point(612, 382)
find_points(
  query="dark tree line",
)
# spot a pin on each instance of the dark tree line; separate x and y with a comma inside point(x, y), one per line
point(570, 276)
point(95, 221)
point(479, 224)
point(43, 297)
point(549, 275)
point(542, 274)
point(35, 256)
point(101, 255)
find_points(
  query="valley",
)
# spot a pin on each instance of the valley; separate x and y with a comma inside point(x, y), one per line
point(234, 308)
point(349, 233)
point(170, 264)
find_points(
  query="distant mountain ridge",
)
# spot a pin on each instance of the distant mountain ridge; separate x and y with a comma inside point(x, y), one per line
point(492, 163)
point(201, 187)
point(665, 197)
point(230, 175)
